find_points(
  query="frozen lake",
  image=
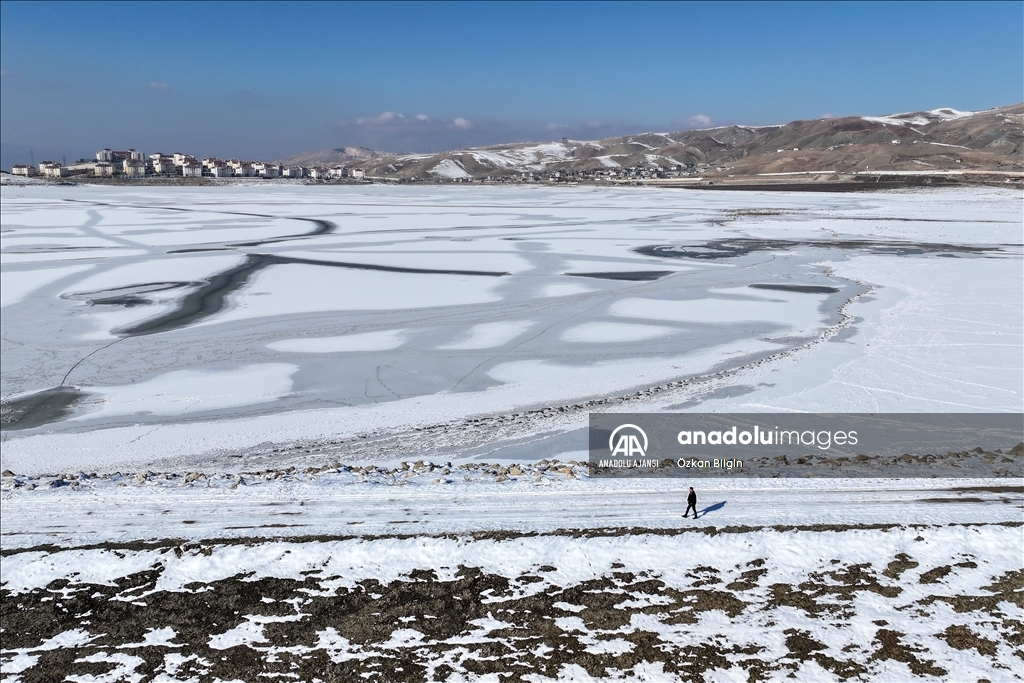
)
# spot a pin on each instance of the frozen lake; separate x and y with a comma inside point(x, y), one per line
point(276, 323)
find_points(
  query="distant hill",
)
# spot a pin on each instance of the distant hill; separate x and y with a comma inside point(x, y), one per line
point(331, 157)
point(940, 139)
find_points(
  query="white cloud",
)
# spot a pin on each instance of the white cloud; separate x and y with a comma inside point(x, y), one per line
point(393, 121)
point(381, 119)
point(699, 120)
point(157, 85)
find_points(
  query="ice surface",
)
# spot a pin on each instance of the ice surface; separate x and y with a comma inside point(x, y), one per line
point(375, 345)
point(936, 335)
point(166, 269)
point(367, 341)
point(565, 289)
point(490, 335)
point(797, 310)
point(424, 257)
point(615, 332)
point(15, 285)
point(292, 289)
point(187, 391)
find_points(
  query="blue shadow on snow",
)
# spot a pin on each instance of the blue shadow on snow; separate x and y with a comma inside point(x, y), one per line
point(712, 508)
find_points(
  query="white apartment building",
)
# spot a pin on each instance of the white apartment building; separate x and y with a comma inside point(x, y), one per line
point(22, 169)
point(114, 156)
point(134, 167)
point(165, 166)
point(357, 173)
point(131, 162)
point(337, 173)
point(52, 169)
point(318, 173)
point(82, 167)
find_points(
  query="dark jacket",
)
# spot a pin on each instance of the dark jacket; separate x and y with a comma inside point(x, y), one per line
point(692, 499)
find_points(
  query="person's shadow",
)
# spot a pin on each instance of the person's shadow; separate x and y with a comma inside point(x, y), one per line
point(712, 508)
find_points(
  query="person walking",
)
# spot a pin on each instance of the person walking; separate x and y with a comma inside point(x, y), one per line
point(691, 502)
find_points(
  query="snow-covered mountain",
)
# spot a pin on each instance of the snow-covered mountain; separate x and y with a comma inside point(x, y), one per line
point(938, 139)
point(328, 157)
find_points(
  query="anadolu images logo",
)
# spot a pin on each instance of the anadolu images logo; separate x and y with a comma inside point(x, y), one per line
point(628, 444)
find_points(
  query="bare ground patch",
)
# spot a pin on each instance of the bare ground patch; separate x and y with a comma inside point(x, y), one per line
point(436, 623)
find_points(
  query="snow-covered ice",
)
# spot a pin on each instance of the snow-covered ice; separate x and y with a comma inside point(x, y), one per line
point(180, 391)
point(395, 307)
point(367, 341)
point(490, 335)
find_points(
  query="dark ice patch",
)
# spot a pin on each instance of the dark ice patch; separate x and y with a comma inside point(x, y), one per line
point(806, 289)
point(211, 297)
point(128, 296)
point(322, 228)
point(39, 408)
point(126, 301)
point(627, 275)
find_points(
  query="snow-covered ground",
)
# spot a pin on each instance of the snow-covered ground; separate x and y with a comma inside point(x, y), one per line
point(461, 499)
point(436, 573)
point(309, 433)
point(539, 576)
point(920, 118)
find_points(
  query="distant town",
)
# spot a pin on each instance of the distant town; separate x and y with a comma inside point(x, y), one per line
point(941, 146)
point(131, 163)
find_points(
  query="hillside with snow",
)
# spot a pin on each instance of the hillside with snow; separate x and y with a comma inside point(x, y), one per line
point(328, 157)
point(939, 140)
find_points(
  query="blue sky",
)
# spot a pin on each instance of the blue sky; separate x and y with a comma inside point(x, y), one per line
point(266, 80)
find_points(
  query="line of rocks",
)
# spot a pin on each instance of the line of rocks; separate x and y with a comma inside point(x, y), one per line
point(398, 475)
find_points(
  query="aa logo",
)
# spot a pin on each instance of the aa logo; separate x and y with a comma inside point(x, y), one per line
point(628, 443)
